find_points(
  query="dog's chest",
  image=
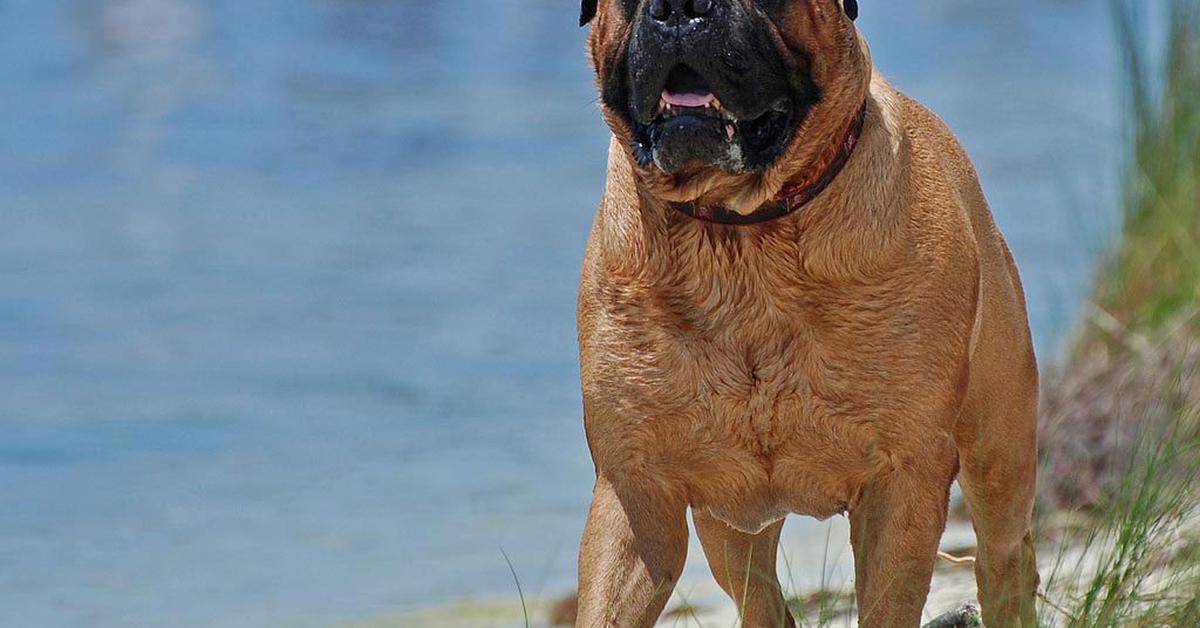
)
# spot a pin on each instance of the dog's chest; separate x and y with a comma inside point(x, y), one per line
point(767, 394)
point(747, 387)
point(773, 407)
point(765, 426)
point(761, 367)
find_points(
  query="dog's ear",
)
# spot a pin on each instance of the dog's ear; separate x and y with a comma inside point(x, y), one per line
point(851, 7)
point(587, 12)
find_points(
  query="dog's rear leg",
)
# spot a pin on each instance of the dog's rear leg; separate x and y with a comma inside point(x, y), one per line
point(996, 437)
point(997, 444)
point(894, 531)
point(744, 565)
point(633, 551)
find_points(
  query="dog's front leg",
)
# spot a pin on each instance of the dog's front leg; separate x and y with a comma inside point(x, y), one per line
point(895, 530)
point(633, 551)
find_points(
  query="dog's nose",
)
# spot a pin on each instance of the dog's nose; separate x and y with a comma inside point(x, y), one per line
point(677, 13)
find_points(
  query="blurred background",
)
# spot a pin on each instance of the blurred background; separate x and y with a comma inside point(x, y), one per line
point(287, 287)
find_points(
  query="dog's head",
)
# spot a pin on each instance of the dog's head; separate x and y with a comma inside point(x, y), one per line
point(718, 93)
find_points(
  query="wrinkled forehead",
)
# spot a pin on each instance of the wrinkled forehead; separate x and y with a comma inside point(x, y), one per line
point(773, 8)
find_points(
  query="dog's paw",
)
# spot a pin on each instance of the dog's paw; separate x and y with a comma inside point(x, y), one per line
point(965, 616)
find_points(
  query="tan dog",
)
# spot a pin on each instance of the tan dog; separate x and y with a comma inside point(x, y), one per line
point(789, 307)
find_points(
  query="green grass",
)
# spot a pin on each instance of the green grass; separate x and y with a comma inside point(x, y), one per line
point(1137, 563)
point(1156, 275)
point(1135, 566)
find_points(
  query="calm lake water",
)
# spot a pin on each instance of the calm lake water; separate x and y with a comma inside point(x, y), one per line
point(287, 287)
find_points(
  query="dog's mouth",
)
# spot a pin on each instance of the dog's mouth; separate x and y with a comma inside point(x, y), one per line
point(692, 127)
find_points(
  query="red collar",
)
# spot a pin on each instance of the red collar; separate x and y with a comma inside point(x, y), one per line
point(793, 197)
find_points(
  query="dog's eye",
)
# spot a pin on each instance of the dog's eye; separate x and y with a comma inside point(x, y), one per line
point(851, 7)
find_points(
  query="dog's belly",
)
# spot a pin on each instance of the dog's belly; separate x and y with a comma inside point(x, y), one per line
point(817, 472)
point(752, 507)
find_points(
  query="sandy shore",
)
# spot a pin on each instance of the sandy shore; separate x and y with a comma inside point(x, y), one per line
point(804, 569)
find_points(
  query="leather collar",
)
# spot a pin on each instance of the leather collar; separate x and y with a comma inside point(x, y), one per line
point(793, 197)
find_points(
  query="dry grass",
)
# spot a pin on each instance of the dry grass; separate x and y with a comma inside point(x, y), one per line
point(1121, 437)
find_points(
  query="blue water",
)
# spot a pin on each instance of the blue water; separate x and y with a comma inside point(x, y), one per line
point(287, 286)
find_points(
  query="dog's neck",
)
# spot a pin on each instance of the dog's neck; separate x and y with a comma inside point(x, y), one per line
point(792, 197)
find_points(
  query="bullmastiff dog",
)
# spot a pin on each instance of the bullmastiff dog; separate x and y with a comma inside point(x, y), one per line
point(794, 300)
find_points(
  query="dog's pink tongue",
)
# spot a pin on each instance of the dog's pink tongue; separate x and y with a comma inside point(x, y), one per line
point(687, 100)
